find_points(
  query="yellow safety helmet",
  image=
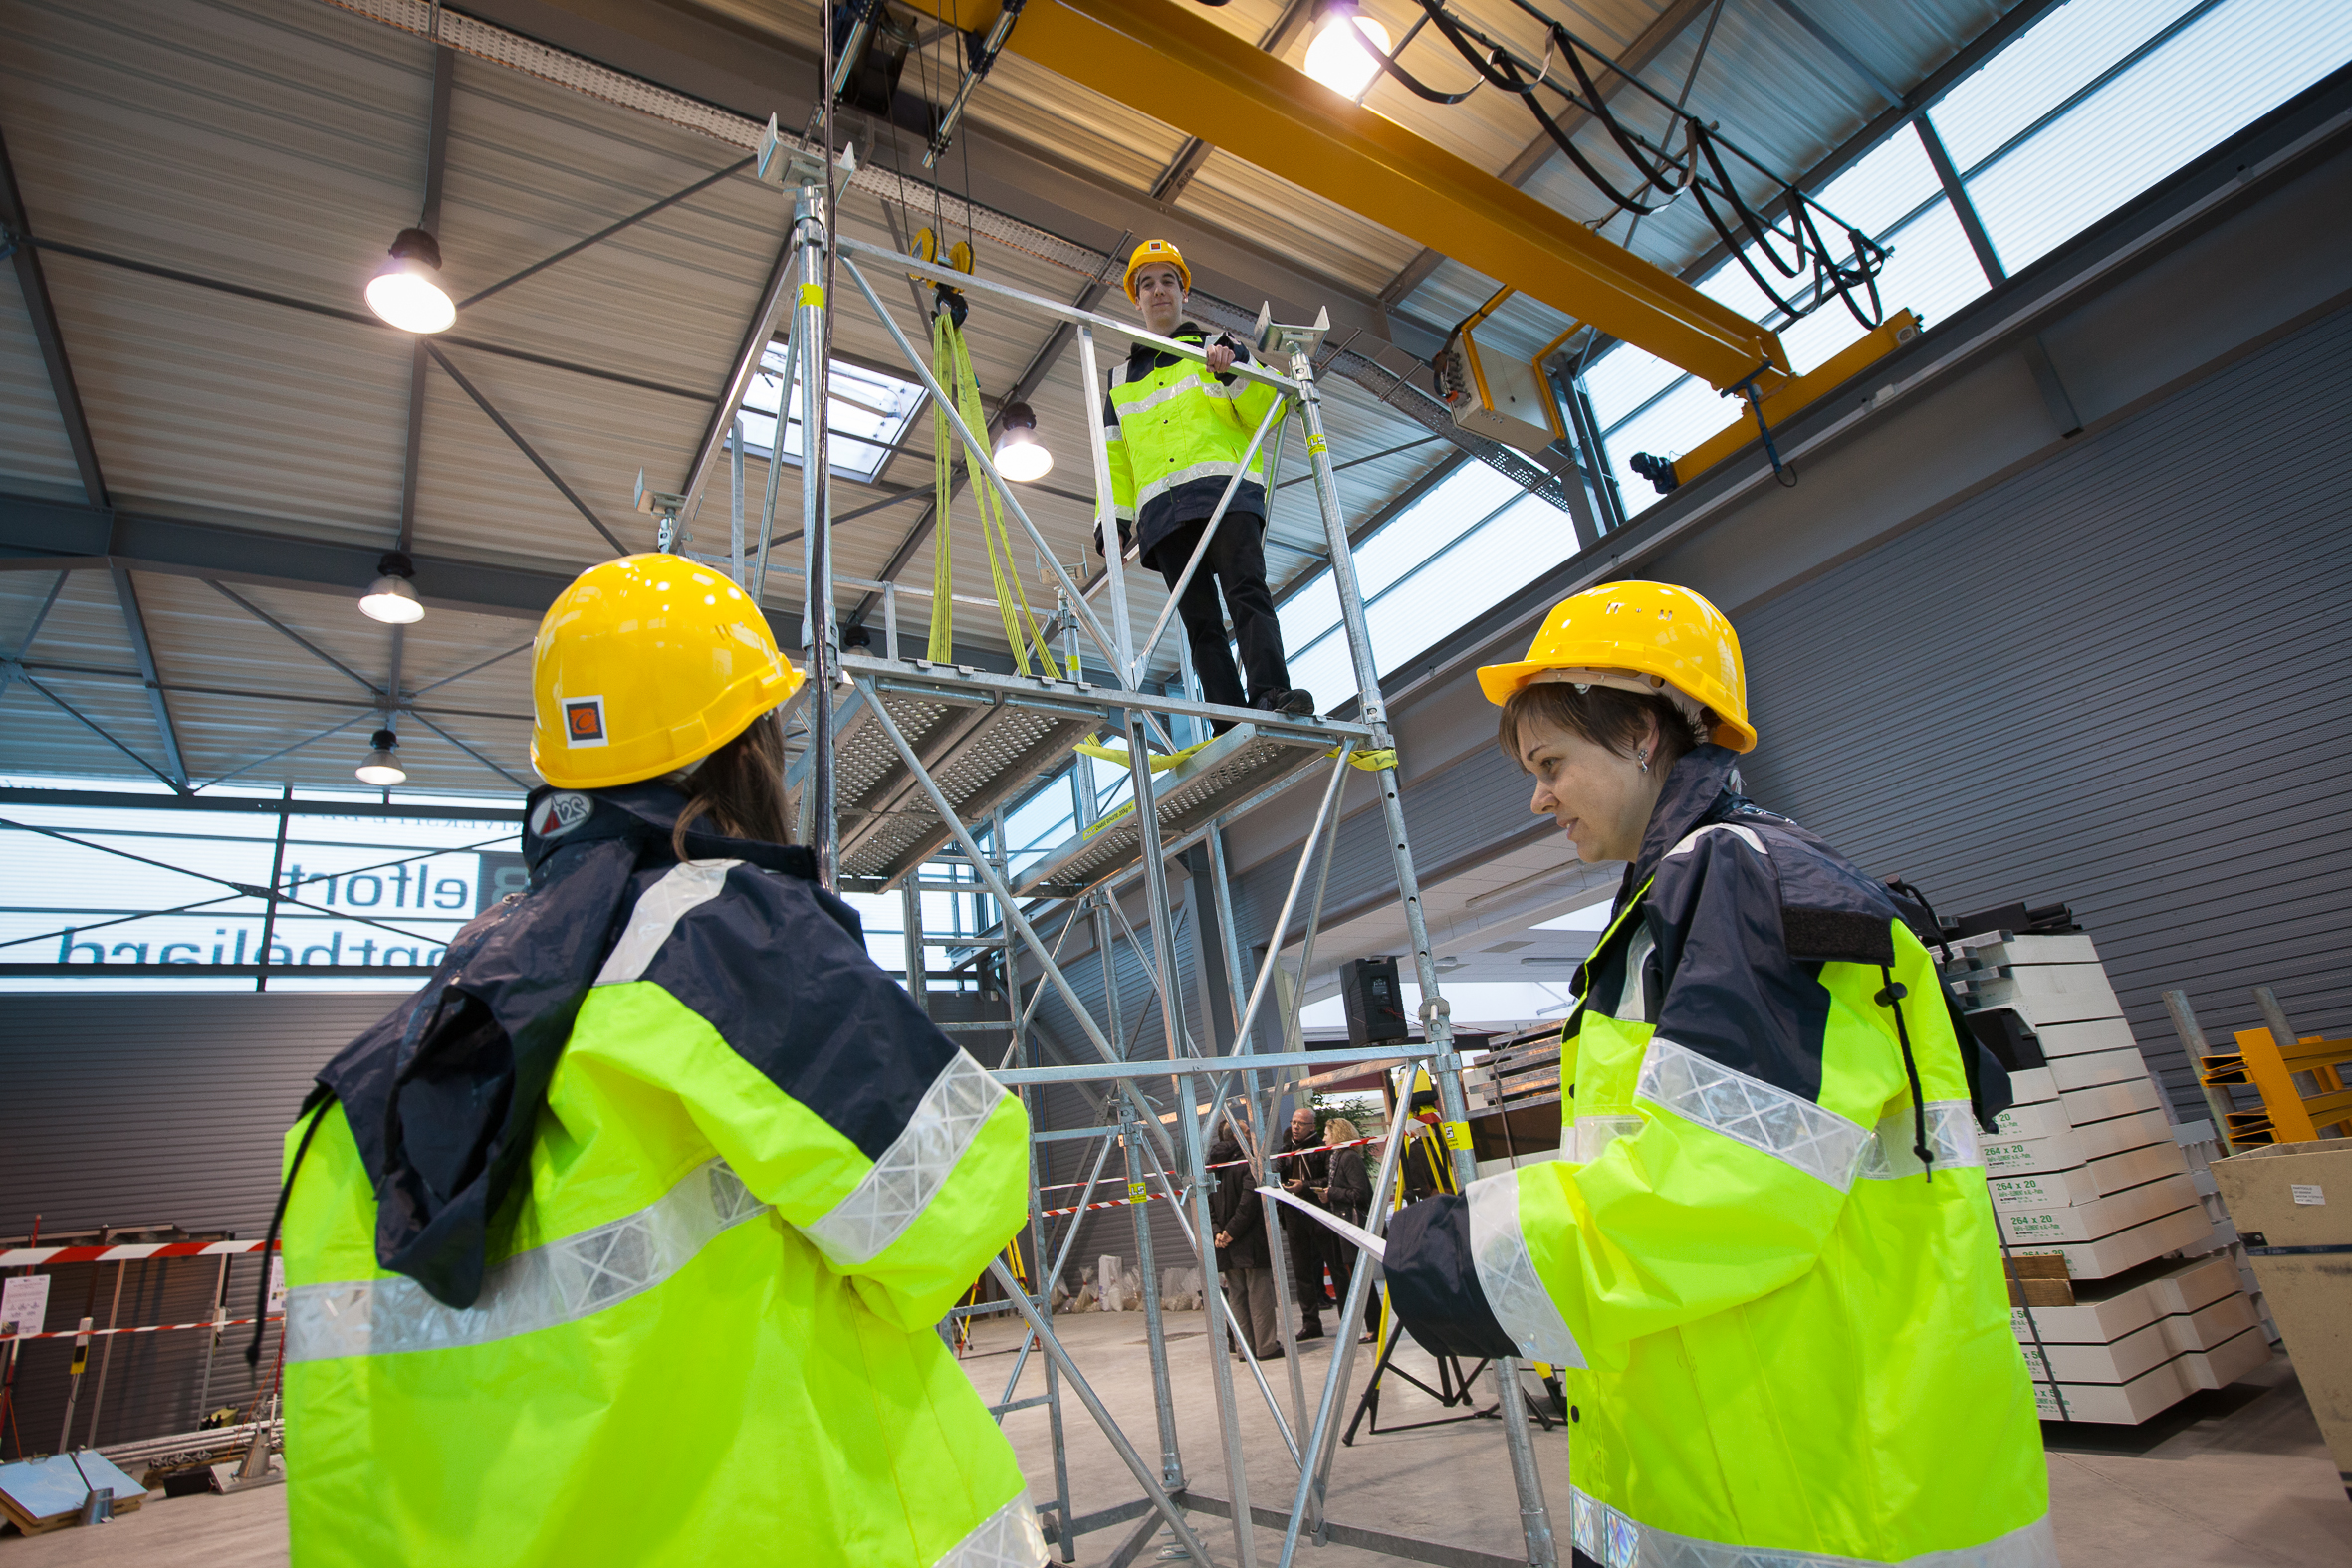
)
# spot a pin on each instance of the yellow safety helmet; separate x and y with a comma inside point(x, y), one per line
point(1650, 638)
point(643, 665)
point(1151, 251)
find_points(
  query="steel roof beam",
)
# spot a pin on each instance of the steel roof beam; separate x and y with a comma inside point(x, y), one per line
point(149, 676)
point(364, 704)
point(1838, 47)
point(99, 730)
point(15, 661)
point(356, 318)
point(35, 284)
point(293, 636)
point(526, 448)
point(52, 536)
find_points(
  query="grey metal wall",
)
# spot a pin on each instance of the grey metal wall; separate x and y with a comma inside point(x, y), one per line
point(151, 1110)
point(2122, 679)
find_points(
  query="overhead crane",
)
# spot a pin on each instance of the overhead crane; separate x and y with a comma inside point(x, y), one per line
point(1165, 59)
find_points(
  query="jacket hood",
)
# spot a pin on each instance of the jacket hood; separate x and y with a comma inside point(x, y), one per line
point(442, 1095)
point(1701, 787)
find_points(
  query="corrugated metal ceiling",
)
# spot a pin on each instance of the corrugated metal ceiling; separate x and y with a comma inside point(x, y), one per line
point(278, 143)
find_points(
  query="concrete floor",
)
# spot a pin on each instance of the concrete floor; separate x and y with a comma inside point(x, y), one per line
point(2233, 1479)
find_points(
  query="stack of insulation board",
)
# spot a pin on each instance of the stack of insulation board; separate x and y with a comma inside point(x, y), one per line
point(2094, 1196)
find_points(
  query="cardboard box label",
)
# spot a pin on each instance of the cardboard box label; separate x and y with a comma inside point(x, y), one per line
point(2307, 1191)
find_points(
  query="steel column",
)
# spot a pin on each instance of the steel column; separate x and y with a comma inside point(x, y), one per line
point(1436, 1021)
point(811, 245)
point(1155, 882)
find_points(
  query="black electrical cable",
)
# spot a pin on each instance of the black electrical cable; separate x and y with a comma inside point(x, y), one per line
point(1663, 175)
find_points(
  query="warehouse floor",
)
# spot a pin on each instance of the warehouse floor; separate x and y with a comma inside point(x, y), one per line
point(2235, 1479)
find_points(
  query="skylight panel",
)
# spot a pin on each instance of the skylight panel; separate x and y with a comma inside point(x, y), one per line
point(869, 414)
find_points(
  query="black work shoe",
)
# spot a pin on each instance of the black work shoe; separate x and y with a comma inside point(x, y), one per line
point(1272, 1353)
point(1313, 1329)
point(1290, 702)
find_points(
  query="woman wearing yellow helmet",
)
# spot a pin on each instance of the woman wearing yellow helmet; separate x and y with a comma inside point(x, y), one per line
point(657, 1149)
point(1766, 1251)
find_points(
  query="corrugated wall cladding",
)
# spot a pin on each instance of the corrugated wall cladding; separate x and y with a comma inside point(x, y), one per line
point(152, 1110)
point(1464, 810)
point(2117, 680)
point(1109, 1230)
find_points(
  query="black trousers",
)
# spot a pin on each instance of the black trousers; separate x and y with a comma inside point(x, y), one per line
point(1308, 1243)
point(1235, 563)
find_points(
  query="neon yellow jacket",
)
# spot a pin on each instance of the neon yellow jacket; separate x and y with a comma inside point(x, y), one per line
point(1787, 1340)
point(1176, 434)
point(707, 1331)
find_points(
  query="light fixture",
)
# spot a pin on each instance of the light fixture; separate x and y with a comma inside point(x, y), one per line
point(1019, 454)
point(406, 289)
point(383, 767)
point(389, 599)
point(1338, 57)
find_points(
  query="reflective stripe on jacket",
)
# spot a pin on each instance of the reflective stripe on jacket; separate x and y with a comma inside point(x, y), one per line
point(1787, 1342)
point(759, 1179)
point(1176, 434)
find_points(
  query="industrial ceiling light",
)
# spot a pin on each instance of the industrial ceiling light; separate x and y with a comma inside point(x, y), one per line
point(383, 767)
point(406, 289)
point(1338, 57)
point(389, 599)
point(1019, 454)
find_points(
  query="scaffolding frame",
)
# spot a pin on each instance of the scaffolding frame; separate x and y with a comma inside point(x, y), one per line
point(905, 756)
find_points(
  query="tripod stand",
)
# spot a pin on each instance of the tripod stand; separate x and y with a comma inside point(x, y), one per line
point(1453, 1388)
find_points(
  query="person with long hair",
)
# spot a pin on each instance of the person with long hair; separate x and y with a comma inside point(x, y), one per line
point(1766, 1258)
point(624, 1239)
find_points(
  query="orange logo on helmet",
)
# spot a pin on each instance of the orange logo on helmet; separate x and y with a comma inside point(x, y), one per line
point(584, 721)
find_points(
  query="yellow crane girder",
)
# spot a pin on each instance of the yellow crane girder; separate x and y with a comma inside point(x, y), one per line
point(1167, 60)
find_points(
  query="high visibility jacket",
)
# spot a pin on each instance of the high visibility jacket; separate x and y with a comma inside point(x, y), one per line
point(1787, 1340)
point(1176, 435)
point(706, 1334)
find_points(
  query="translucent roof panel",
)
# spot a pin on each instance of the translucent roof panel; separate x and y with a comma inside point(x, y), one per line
point(2056, 57)
point(2228, 67)
point(870, 411)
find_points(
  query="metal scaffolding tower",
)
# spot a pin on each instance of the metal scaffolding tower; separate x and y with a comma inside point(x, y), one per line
point(906, 757)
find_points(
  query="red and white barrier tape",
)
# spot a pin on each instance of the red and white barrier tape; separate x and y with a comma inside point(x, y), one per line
point(150, 1328)
point(1107, 1203)
point(1219, 1165)
point(32, 1256)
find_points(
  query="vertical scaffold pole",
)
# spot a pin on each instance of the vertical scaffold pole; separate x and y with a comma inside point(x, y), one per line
point(1436, 1023)
point(811, 218)
point(1188, 1090)
point(1106, 512)
point(1162, 1394)
point(1032, 1102)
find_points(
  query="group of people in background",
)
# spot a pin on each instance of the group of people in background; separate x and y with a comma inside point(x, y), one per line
point(1322, 1161)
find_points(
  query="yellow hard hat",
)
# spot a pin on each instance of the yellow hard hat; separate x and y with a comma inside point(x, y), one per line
point(1642, 637)
point(1151, 251)
point(643, 665)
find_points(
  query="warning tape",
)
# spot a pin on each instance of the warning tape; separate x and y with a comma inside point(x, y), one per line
point(32, 1256)
point(149, 1328)
point(1221, 1164)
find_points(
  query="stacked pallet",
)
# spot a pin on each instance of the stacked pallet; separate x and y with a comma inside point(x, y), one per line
point(2094, 1195)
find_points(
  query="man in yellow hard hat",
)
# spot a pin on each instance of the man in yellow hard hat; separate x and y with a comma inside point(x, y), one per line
point(623, 1241)
point(1177, 430)
point(1766, 1255)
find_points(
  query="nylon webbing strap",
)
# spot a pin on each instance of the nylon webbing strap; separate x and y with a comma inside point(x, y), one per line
point(951, 362)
